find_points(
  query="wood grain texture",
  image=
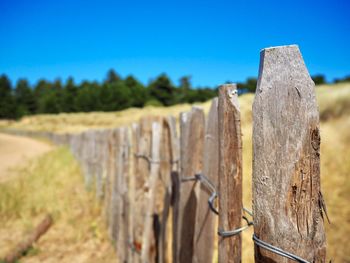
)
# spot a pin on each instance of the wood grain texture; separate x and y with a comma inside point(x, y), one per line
point(169, 164)
point(119, 199)
point(110, 169)
point(142, 174)
point(230, 173)
point(99, 165)
point(142, 147)
point(90, 159)
point(135, 133)
point(123, 245)
point(205, 218)
point(191, 149)
point(146, 256)
point(286, 163)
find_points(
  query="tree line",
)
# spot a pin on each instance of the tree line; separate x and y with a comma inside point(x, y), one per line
point(112, 94)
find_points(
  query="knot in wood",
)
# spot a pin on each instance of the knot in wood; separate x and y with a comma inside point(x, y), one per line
point(315, 139)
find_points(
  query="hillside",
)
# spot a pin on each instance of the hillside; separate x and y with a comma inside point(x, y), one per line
point(334, 106)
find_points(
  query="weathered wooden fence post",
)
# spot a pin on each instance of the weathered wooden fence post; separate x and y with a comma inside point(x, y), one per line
point(110, 169)
point(150, 197)
point(191, 149)
point(89, 150)
point(142, 153)
point(99, 166)
point(124, 191)
point(169, 164)
point(114, 206)
point(230, 173)
point(206, 218)
point(287, 200)
point(120, 202)
point(135, 138)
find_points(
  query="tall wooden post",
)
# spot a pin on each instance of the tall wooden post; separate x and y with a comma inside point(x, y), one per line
point(150, 197)
point(135, 133)
point(205, 218)
point(230, 173)
point(191, 145)
point(120, 203)
point(142, 165)
point(99, 140)
point(169, 164)
point(90, 159)
point(110, 170)
point(287, 200)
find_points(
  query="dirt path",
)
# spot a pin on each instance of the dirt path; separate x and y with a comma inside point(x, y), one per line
point(14, 150)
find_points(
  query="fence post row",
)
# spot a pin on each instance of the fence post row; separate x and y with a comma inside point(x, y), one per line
point(286, 163)
point(169, 164)
point(205, 218)
point(147, 239)
point(230, 174)
point(159, 176)
point(191, 154)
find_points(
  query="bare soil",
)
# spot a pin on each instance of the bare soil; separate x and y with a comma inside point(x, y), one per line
point(16, 150)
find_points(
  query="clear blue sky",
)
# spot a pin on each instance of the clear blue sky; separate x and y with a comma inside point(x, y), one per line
point(213, 41)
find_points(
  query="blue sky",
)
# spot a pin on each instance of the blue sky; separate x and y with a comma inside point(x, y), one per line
point(212, 41)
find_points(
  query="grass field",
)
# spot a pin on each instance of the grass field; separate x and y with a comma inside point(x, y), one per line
point(53, 183)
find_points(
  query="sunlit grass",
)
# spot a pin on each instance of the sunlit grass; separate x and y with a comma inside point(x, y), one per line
point(53, 184)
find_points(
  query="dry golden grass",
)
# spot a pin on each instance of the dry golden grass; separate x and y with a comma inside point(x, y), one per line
point(53, 184)
point(334, 104)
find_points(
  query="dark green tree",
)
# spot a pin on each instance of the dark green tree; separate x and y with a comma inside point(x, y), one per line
point(7, 101)
point(41, 91)
point(88, 97)
point(162, 90)
point(138, 92)
point(50, 98)
point(24, 98)
point(251, 84)
point(340, 80)
point(319, 79)
point(112, 77)
point(68, 96)
point(183, 92)
point(115, 96)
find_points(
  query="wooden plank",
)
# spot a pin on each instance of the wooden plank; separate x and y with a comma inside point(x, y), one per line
point(191, 148)
point(175, 201)
point(205, 218)
point(123, 221)
point(162, 194)
point(104, 161)
point(110, 168)
point(150, 196)
point(175, 190)
point(169, 164)
point(230, 173)
point(135, 134)
point(286, 166)
point(99, 137)
point(89, 156)
point(142, 174)
point(116, 170)
point(120, 200)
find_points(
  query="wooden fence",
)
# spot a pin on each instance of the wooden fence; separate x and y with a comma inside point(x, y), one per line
point(166, 195)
